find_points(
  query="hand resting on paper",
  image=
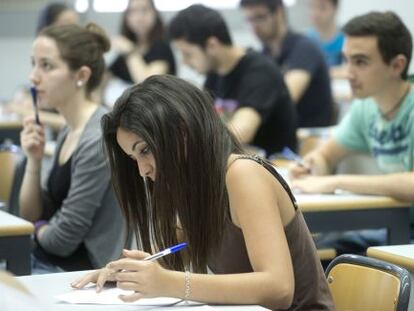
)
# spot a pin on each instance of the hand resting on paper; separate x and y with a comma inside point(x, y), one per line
point(146, 278)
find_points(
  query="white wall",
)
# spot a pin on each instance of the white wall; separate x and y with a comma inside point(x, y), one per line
point(404, 8)
point(16, 38)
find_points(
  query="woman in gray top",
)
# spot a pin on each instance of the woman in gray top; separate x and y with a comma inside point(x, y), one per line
point(78, 224)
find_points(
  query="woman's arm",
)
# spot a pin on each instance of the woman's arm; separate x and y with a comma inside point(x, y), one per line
point(140, 70)
point(254, 198)
point(32, 140)
point(89, 184)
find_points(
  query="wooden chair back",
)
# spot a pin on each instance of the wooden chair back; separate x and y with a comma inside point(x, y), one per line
point(361, 283)
point(9, 157)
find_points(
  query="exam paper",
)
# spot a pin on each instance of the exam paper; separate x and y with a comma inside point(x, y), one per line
point(109, 296)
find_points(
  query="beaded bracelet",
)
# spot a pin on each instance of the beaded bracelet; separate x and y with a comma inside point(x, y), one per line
point(187, 289)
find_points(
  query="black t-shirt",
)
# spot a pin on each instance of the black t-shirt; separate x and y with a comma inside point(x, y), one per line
point(257, 83)
point(159, 51)
point(315, 108)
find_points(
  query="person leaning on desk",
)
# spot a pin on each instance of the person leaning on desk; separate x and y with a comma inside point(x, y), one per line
point(378, 49)
point(249, 92)
point(78, 223)
point(180, 175)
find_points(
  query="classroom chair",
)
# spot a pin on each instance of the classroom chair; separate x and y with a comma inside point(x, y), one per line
point(361, 283)
point(10, 157)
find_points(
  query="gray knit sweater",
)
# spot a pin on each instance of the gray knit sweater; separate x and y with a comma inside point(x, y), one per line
point(90, 213)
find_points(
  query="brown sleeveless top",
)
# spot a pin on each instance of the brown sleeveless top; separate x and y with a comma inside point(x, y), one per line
point(311, 288)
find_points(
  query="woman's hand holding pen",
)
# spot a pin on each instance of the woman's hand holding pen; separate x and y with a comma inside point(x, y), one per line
point(145, 278)
point(32, 139)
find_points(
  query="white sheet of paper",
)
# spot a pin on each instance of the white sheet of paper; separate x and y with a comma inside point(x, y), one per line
point(109, 296)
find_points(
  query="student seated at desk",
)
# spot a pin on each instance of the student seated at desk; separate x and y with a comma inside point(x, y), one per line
point(249, 91)
point(378, 50)
point(142, 47)
point(326, 34)
point(300, 60)
point(180, 175)
point(77, 220)
point(54, 13)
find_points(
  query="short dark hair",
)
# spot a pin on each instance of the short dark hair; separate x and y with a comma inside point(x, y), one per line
point(393, 36)
point(197, 23)
point(272, 5)
point(81, 46)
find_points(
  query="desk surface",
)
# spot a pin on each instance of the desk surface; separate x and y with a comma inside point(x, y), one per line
point(345, 201)
point(12, 122)
point(13, 226)
point(402, 255)
point(44, 287)
point(341, 200)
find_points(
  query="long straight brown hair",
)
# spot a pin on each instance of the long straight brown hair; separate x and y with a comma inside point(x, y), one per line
point(191, 146)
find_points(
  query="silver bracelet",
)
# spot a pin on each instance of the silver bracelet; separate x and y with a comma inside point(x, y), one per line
point(187, 289)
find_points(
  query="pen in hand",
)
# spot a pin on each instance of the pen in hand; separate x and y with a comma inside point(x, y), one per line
point(167, 251)
point(33, 91)
point(290, 155)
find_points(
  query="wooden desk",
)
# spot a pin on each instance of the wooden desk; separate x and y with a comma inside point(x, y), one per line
point(15, 243)
point(401, 255)
point(46, 286)
point(10, 124)
point(342, 212)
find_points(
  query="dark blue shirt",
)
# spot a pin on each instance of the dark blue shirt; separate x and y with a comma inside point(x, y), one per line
point(315, 108)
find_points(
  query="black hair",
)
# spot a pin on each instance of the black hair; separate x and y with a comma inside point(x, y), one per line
point(197, 23)
point(272, 5)
point(393, 35)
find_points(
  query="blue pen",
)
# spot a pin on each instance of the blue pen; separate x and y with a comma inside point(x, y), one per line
point(290, 155)
point(167, 251)
point(33, 91)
